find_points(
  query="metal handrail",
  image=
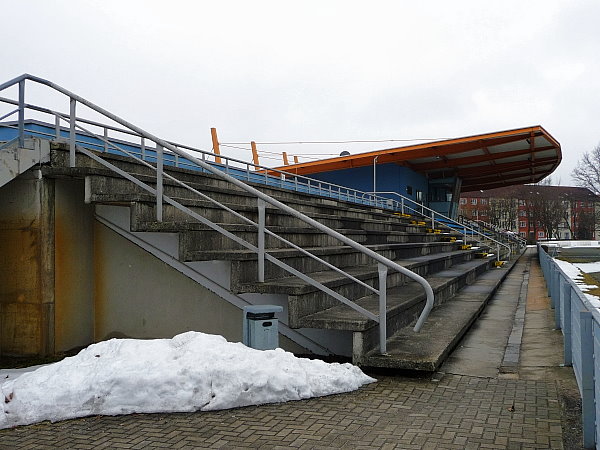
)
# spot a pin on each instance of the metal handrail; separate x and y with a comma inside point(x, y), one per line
point(384, 264)
point(322, 186)
point(433, 220)
point(490, 226)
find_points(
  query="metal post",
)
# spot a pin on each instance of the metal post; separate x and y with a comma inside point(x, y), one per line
point(382, 270)
point(261, 240)
point(567, 325)
point(559, 300)
point(72, 142)
point(105, 140)
point(159, 183)
point(375, 173)
point(21, 113)
point(587, 380)
point(57, 126)
point(402, 203)
point(143, 148)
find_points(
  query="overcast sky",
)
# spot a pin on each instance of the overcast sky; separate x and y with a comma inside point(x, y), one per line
point(321, 70)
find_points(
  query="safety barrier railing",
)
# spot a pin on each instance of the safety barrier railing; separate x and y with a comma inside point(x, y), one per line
point(76, 126)
point(435, 217)
point(515, 238)
point(579, 322)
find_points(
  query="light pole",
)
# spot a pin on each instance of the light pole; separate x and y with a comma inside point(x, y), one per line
point(375, 174)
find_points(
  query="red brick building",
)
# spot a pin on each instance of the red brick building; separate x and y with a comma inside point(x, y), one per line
point(536, 212)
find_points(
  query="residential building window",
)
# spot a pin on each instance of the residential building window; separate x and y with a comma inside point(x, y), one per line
point(540, 234)
point(484, 201)
point(522, 213)
point(521, 202)
point(522, 234)
point(463, 201)
point(522, 224)
point(473, 201)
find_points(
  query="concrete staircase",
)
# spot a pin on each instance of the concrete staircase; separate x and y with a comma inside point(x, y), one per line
point(15, 160)
point(461, 278)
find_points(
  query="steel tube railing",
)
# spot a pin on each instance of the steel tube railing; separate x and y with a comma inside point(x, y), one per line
point(434, 213)
point(160, 144)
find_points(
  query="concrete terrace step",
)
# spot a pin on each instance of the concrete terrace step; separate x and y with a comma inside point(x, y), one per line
point(245, 265)
point(143, 217)
point(199, 237)
point(106, 189)
point(305, 299)
point(399, 300)
point(427, 350)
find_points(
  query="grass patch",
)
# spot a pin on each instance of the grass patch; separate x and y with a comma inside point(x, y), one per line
point(591, 280)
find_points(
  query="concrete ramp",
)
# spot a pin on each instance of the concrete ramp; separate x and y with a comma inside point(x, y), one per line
point(15, 160)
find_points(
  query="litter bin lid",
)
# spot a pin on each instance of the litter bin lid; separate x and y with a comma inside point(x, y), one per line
point(261, 309)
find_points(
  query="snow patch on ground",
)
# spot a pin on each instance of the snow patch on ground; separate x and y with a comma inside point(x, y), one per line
point(575, 270)
point(191, 372)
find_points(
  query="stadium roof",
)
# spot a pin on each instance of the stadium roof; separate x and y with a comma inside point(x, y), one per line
point(484, 161)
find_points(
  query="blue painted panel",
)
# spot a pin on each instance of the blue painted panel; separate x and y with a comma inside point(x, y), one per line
point(118, 147)
point(390, 177)
point(576, 336)
point(596, 331)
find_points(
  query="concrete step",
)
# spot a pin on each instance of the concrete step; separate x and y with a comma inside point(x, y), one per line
point(110, 189)
point(204, 239)
point(400, 300)
point(86, 167)
point(245, 264)
point(143, 218)
point(304, 299)
point(427, 350)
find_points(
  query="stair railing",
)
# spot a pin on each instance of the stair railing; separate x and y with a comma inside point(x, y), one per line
point(384, 264)
point(250, 172)
point(516, 239)
point(441, 219)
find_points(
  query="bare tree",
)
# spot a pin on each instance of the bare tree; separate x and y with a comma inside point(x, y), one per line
point(587, 172)
point(546, 210)
point(503, 212)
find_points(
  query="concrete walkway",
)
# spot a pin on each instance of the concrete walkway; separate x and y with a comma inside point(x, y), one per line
point(502, 388)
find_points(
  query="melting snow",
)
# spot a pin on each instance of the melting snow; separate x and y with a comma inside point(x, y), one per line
point(191, 372)
point(574, 271)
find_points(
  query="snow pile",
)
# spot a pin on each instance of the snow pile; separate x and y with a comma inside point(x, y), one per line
point(574, 270)
point(191, 372)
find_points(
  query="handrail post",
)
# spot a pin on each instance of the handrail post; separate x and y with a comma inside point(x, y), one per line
point(21, 113)
point(498, 252)
point(402, 204)
point(57, 126)
point(382, 270)
point(159, 182)
point(567, 325)
point(261, 239)
point(72, 142)
point(587, 379)
point(105, 140)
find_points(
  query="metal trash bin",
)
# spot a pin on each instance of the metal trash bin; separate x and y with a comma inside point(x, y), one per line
point(261, 327)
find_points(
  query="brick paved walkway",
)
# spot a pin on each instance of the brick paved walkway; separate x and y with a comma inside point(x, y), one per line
point(449, 411)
